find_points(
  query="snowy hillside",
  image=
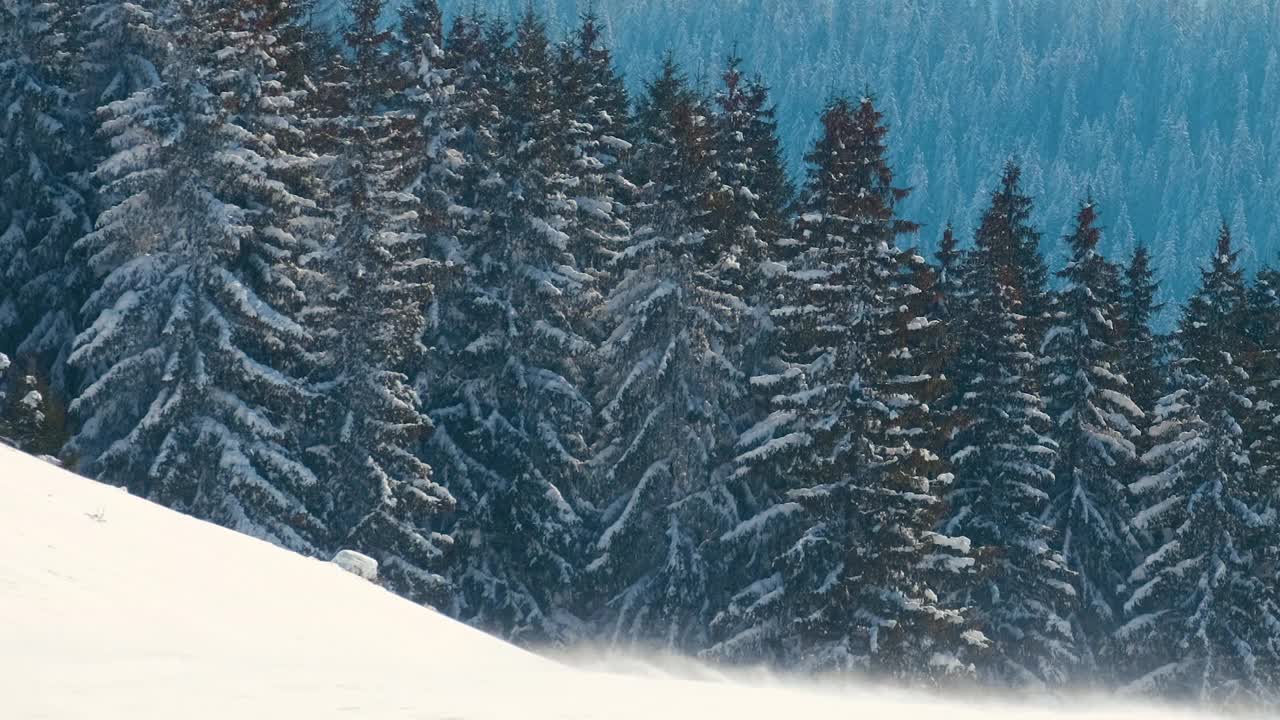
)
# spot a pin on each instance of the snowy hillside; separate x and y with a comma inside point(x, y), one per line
point(116, 608)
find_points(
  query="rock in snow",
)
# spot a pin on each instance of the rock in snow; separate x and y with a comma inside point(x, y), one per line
point(154, 615)
point(357, 564)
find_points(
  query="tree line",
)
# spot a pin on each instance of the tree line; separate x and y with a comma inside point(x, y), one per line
point(574, 366)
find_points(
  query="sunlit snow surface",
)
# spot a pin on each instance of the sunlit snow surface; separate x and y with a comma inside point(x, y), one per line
point(114, 608)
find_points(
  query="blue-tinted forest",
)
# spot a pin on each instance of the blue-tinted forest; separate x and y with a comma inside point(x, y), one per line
point(1165, 110)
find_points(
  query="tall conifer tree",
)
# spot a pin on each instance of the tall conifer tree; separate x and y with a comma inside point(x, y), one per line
point(1094, 422)
point(667, 385)
point(45, 130)
point(1003, 457)
point(749, 210)
point(1203, 617)
point(369, 316)
point(511, 405)
point(855, 588)
point(750, 219)
point(1139, 348)
point(593, 98)
point(188, 406)
point(1262, 362)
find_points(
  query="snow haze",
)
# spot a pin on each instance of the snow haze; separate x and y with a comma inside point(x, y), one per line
point(113, 607)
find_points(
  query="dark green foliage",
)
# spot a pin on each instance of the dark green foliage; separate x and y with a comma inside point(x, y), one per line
point(667, 387)
point(512, 338)
point(45, 129)
point(1003, 457)
point(850, 441)
point(190, 341)
point(368, 316)
point(1095, 423)
point(1202, 608)
point(1139, 348)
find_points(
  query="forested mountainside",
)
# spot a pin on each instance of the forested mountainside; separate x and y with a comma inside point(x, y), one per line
point(1166, 111)
point(578, 362)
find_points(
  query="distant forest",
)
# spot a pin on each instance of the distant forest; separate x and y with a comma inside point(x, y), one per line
point(1165, 110)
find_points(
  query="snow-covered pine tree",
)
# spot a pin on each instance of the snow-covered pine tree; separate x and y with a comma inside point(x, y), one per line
point(370, 315)
point(466, 120)
point(1139, 348)
point(1094, 423)
point(1038, 299)
point(474, 442)
point(847, 437)
point(597, 114)
point(265, 91)
point(44, 209)
point(1261, 426)
point(1203, 616)
point(25, 418)
point(188, 403)
point(750, 217)
point(1262, 362)
point(1003, 458)
point(509, 401)
point(667, 386)
point(122, 42)
point(854, 583)
point(925, 634)
point(749, 211)
point(948, 305)
point(432, 165)
point(812, 448)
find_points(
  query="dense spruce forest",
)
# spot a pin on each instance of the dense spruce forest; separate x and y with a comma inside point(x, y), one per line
point(1164, 109)
point(575, 363)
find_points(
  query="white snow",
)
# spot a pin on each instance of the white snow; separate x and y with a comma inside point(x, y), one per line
point(112, 608)
point(357, 564)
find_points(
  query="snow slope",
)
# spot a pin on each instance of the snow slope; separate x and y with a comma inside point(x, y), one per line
point(114, 608)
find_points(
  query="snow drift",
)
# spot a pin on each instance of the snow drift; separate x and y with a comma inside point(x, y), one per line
point(113, 608)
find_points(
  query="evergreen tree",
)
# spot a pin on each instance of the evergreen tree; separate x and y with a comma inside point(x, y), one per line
point(850, 435)
point(474, 440)
point(44, 209)
point(749, 210)
point(1139, 349)
point(428, 95)
point(948, 306)
point(188, 404)
point(926, 633)
point(1202, 618)
point(1262, 362)
point(1094, 425)
point(510, 403)
point(748, 217)
point(27, 420)
point(123, 40)
point(376, 284)
point(1003, 458)
point(667, 385)
point(1261, 425)
point(594, 100)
